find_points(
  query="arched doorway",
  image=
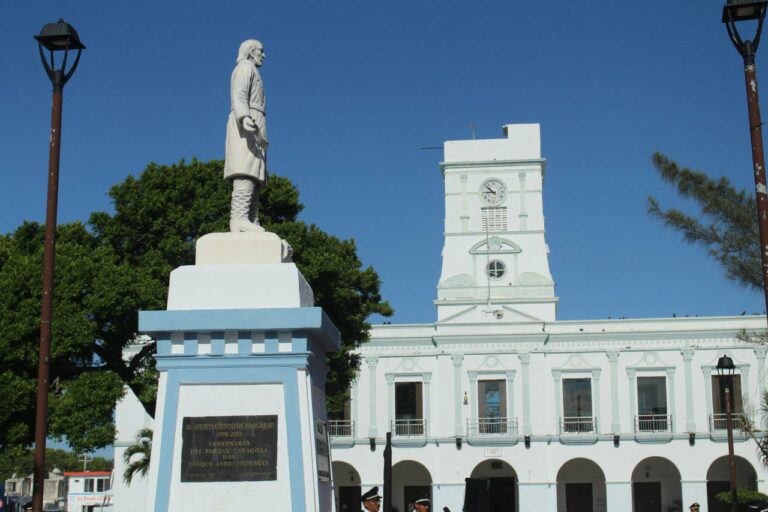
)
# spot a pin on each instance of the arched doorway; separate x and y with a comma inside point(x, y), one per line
point(410, 480)
point(719, 480)
point(580, 487)
point(346, 487)
point(656, 486)
point(492, 487)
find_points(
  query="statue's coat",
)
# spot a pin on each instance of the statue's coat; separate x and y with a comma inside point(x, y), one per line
point(244, 157)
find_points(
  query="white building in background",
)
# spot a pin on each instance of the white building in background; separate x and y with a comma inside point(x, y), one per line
point(499, 402)
point(89, 491)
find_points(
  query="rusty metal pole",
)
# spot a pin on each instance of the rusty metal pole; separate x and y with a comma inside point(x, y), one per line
point(49, 263)
point(731, 458)
point(758, 158)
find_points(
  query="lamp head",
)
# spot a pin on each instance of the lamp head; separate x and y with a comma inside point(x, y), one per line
point(61, 36)
point(742, 10)
point(725, 366)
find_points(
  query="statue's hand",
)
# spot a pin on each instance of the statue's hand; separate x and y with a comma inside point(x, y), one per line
point(249, 125)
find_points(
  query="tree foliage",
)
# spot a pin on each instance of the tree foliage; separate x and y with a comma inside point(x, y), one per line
point(138, 455)
point(118, 264)
point(727, 224)
point(20, 461)
point(744, 498)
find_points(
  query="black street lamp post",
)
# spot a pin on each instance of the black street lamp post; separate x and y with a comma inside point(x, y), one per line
point(54, 37)
point(744, 10)
point(725, 369)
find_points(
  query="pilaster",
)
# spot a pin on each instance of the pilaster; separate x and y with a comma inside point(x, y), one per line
point(690, 417)
point(457, 360)
point(525, 361)
point(372, 362)
point(613, 360)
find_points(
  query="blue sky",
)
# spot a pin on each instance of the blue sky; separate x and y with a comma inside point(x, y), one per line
point(356, 88)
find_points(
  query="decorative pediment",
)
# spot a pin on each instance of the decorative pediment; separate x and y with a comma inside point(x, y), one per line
point(650, 359)
point(495, 245)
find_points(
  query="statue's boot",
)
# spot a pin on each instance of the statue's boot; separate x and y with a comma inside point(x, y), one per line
point(242, 200)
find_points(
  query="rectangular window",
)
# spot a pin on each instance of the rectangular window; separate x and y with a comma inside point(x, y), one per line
point(492, 406)
point(494, 218)
point(102, 485)
point(718, 395)
point(652, 404)
point(577, 405)
point(409, 415)
point(89, 484)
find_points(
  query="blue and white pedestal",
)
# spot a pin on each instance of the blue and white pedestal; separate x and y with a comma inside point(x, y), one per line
point(218, 360)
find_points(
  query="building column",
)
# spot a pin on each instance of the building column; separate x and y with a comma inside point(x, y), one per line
point(707, 372)
point(538, 497)
point(632, 397)
point(464, 208)
point(447, 495)
point(523, 215)
point(690, 417)
point(618, 496)
point(671, 400)
point(613, 360)
point(596, 400)
point(694, 491)
point(427, 378)
point(372, 362)
point(558, 400)
point(473, 398)
point(525, 360)
point(390, 401)
point(510, 391)
point(457, 360)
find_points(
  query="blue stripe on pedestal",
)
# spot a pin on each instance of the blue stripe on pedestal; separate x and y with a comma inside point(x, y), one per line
point(313, 320)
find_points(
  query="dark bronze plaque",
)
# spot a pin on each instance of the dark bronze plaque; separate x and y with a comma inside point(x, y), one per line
point(229, 449)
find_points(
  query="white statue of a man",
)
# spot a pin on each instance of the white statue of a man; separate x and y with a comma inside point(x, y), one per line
point(246, 153)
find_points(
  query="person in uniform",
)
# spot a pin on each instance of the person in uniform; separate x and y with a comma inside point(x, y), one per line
point(422, 504)
point(371, 500)
point(245, 163)
point(695, 507)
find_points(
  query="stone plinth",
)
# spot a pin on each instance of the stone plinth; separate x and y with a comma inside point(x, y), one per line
point(241, 248)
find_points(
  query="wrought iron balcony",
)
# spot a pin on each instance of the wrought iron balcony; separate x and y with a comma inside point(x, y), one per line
point(341, 428)
point(578, 425)
point(409, 427)
point(492, 427)
point(719, 421)
point(653, 423)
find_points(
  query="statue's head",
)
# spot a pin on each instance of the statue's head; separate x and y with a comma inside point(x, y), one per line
point(252, 50)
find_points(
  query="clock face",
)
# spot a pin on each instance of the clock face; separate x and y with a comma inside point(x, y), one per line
point(493, 192)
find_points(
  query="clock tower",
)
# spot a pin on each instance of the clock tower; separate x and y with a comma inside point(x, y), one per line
point(495, 264)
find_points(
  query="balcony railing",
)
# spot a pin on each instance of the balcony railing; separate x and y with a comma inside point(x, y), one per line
point(719, 421)
point(578, 425)
point(341, 428)
point(653, 423)
point(409, 427)
point(492, 427)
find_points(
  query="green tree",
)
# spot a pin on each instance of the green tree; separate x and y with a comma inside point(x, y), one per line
point(138, 455)
point(744, 497)
point(20, 461)
point(726, 225)
point(119, 264)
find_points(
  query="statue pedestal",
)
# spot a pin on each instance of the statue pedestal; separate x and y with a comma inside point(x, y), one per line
point(240, 418)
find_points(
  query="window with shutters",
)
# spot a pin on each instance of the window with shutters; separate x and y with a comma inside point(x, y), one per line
point(494, 218)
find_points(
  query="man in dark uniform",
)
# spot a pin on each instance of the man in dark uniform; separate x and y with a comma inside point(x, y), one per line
point(371, 500)
point(422, 504)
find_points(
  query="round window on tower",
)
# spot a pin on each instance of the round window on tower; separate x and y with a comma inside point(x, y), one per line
point(496, 269)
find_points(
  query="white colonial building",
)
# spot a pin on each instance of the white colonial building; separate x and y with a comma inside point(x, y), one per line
point(500, 404)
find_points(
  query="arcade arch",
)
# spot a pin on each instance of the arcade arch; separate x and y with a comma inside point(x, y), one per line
point(719, 480)
point(410, 480)
point(346, 487)
point(656, 486)
point(581, 486)
point(492, 486)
